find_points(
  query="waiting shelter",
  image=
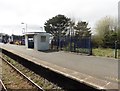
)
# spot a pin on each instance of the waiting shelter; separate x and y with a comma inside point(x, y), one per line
point(37, 40)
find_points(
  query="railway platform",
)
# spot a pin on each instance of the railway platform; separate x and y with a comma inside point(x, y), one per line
point(98, 72)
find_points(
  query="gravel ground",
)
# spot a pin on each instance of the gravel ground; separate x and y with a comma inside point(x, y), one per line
point(44, 83)
point(13, 80)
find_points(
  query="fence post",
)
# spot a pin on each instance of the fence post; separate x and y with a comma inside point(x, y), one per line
point(115, 49)
point(90, 46)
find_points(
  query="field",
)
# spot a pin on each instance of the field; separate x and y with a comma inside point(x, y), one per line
point(105, 52)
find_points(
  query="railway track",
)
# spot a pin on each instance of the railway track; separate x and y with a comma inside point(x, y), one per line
point(36, 78)
point(2, 86)
point(10, 74)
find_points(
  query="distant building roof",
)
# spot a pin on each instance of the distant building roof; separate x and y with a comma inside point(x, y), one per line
point(34, 33)
point(3, 34)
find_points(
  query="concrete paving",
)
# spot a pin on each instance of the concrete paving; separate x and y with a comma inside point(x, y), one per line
point(97, 70)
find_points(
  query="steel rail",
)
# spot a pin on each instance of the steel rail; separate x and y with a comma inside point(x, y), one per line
point(27, 78)
point(3, 86)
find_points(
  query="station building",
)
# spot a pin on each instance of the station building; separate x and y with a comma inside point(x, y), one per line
point(37, 40)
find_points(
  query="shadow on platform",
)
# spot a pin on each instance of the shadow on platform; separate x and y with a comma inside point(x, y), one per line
point(49, 51)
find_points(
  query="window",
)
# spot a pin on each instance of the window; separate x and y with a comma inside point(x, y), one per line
point(31, 38)
point(43, 38)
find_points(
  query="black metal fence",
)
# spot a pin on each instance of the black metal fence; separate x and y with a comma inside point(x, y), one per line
point(73, 44)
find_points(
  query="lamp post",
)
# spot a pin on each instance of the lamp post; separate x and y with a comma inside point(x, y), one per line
point(25, 26)
point(24, 32)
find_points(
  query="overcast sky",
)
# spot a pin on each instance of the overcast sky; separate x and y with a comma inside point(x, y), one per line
point(35, 12)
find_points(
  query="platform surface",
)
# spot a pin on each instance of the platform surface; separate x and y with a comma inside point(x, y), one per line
point(98, 71)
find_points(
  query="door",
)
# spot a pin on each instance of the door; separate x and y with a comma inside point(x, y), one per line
point(30, 41)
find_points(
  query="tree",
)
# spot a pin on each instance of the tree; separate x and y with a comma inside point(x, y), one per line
point(118, 38)
point(106, 32)
point(77, 31)
point(57, 26)
point(82, 29)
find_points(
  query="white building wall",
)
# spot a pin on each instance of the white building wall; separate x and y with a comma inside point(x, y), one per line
point(42, 45)
point(26, 41)
point(36, 42)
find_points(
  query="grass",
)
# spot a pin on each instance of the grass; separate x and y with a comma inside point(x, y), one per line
point(105, 52)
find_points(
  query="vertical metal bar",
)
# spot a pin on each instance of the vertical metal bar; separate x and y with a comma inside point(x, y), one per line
point(90, 46)
point(59, 39)
point(115, 49)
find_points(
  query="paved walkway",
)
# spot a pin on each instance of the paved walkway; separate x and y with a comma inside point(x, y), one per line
point(98, 67)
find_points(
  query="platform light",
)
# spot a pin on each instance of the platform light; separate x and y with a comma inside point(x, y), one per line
point(25, 25)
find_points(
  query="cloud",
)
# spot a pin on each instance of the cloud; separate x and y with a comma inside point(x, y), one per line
point(36, 12)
